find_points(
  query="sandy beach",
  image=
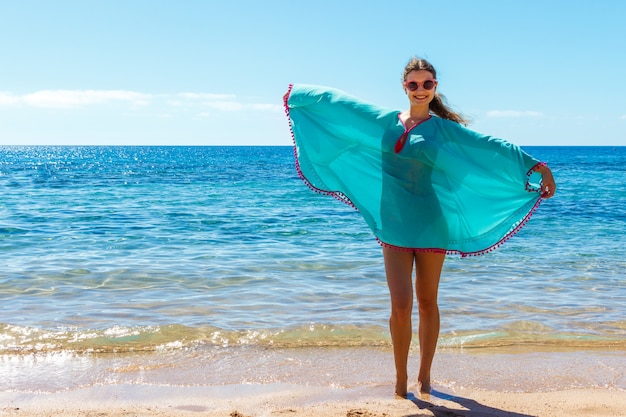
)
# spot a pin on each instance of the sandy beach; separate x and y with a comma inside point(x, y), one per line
point(277, 400)
point(336, 382)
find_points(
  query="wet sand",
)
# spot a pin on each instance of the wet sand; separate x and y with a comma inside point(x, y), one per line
point(352, 382)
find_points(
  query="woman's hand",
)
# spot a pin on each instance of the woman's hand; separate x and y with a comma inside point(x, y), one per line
point(548, 186)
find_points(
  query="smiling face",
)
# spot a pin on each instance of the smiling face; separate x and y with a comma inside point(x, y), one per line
point(421, 96)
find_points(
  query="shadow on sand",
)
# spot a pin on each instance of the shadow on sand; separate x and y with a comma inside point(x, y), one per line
point(471, 407)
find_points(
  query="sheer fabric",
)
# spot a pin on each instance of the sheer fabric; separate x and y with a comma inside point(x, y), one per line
point(436, 187)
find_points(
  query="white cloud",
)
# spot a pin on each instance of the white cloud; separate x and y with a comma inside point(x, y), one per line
point(230, 106)
point(70, 99)
point(7, 99)
point(623, 117)
point(206, 96)
point(268, 107)
point(225, 102)
point(79, 98)
point(513, 113)
point(224, 105)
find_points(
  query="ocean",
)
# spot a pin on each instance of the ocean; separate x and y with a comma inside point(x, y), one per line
point(165, 257)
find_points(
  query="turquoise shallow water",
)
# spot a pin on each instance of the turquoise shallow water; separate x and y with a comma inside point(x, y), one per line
point(109, 249)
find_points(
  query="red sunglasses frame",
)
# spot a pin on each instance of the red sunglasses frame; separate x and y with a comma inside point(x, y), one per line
point(418, 83)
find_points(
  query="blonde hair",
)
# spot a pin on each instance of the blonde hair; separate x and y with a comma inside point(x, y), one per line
point(438, 106)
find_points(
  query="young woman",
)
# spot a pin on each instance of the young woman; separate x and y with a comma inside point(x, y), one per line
point(426, 186)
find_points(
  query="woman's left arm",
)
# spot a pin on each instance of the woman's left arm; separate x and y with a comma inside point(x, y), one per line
point(501, 156)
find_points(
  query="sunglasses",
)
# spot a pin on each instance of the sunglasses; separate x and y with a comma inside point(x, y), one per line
point(414, 85)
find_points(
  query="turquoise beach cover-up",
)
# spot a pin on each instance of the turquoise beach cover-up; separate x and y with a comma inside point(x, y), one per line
point(435, 187)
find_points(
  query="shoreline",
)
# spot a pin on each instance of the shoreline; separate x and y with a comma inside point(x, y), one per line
point(512, 369)
point(354, 382)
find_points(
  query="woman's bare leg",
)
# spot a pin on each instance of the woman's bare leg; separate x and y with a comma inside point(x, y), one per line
point(398, 268)
point(428, 272)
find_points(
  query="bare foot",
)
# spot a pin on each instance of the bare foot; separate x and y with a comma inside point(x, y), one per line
point(401, 387)
point(424, 387)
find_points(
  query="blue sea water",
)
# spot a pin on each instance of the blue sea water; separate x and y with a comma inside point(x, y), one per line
point(118, 249)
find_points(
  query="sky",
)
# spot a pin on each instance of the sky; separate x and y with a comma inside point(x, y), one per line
point(191, 72)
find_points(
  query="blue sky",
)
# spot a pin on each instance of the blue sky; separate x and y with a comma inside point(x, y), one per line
point(149, 72)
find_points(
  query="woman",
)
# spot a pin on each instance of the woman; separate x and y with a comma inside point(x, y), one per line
point(425, 185)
